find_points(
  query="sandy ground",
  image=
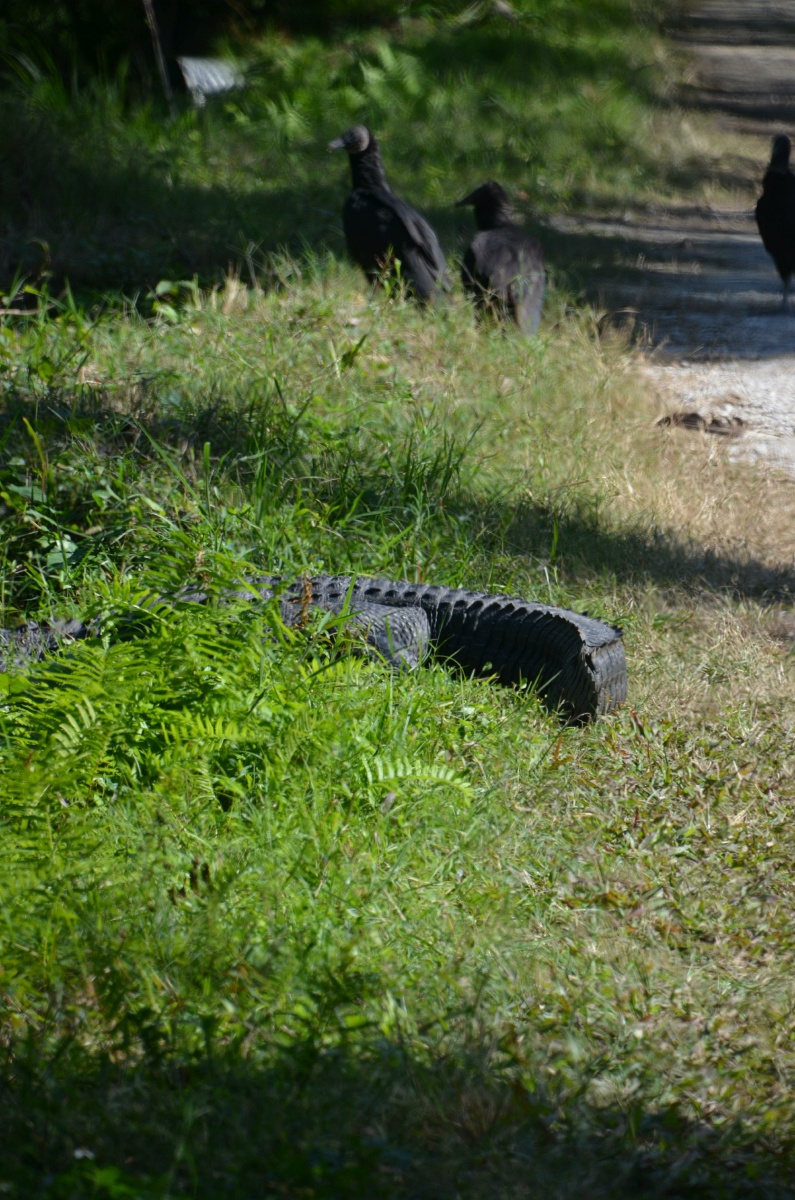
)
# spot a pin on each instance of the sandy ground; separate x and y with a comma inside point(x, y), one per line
point(700, 288)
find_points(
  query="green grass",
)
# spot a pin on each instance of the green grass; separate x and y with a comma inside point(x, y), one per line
point(249, 876)
point(560, 105)
point(276, 922)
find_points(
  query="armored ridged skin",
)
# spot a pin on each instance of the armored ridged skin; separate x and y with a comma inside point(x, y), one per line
point(503, 268)
point(576, 663)
point(381, 229)
point(34, 641)
point(775, 213)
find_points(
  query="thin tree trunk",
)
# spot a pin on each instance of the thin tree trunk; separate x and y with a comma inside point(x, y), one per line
point(151, 21)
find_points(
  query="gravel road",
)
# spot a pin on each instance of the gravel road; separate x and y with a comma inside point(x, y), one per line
point(721, 353)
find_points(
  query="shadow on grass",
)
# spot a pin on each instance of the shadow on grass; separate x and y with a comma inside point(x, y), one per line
point(587, 548)
point(114, 207)
point(120, 228)
point(380, 1123)
point(278, 456)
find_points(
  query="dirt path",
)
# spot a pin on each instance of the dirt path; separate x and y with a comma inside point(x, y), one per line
point(697, 280)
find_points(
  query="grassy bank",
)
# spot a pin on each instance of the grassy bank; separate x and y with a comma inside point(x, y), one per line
point(277, 922)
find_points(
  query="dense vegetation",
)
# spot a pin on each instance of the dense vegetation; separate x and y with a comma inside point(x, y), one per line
point(91, 36)
point(274, 921)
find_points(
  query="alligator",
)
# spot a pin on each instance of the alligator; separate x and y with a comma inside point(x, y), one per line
point(576, 663)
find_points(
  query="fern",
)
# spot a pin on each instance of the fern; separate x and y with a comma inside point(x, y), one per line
point(286, 118)
point(394, 82)
point(385, 769)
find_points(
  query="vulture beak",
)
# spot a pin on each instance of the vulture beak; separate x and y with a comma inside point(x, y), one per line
point(470, 199)
point(337, 144)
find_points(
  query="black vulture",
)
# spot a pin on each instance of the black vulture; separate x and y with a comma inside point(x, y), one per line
point(775, 212)
point(382, 230)
point(503, 268)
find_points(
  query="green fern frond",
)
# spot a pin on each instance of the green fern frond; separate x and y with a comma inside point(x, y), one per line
point(382, 769)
